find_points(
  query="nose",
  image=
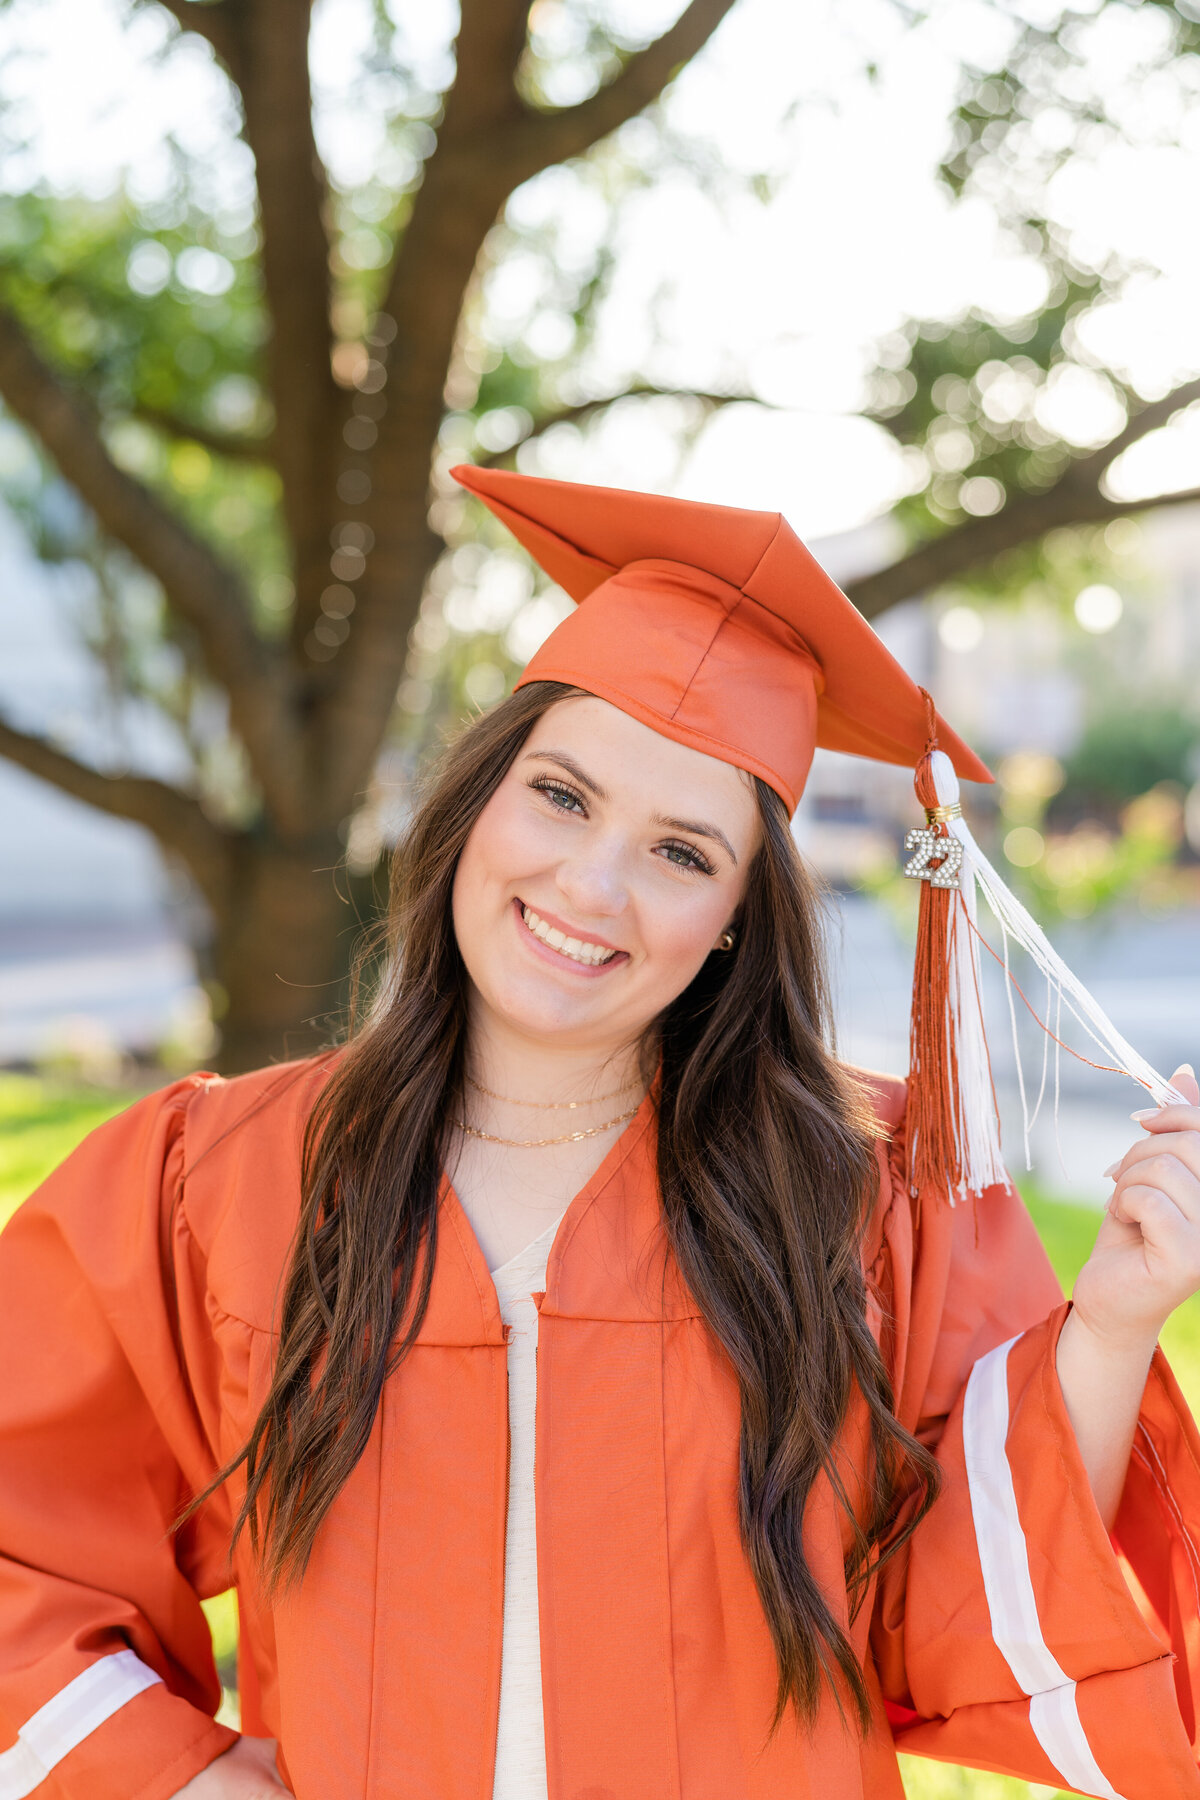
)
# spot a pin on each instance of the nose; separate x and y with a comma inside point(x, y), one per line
point(593, 883)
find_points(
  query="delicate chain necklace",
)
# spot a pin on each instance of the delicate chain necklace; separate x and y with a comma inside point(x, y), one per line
point(572, 1137)
point(554, 1105)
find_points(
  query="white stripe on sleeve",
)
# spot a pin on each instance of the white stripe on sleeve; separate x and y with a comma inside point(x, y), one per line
point(1008, 1583)
point(73, 1714)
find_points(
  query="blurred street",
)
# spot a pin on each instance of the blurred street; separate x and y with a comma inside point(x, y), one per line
point(79, 981)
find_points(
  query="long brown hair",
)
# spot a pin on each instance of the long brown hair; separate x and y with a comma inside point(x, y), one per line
point(766, 1167)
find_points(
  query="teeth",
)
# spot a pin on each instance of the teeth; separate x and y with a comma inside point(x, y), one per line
point(592, 955)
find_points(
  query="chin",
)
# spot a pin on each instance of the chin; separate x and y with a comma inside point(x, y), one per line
point(543, 1015)
point(539, 1008)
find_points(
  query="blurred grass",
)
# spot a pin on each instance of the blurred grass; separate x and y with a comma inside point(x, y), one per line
point(222, 1615)
point(941, 1781)
point(40, 1122)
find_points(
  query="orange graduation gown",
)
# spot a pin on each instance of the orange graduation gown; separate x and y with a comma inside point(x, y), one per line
point(137, 1290)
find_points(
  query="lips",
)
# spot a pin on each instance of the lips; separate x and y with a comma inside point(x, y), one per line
point(586, 953)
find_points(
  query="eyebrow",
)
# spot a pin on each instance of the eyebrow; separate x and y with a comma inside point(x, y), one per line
point(572, 768)
point(696, 826)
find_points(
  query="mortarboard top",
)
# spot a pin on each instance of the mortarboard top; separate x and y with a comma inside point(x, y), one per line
point(715, 626)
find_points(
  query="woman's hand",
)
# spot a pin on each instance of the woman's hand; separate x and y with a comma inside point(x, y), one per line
point(245, 1772)
point(1145, 1262)
point(1146, 1259)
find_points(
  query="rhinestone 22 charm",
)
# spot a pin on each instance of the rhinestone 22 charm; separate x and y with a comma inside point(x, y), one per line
point(928, 844)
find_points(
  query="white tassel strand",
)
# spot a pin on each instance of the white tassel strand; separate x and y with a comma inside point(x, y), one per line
point(981, 1159)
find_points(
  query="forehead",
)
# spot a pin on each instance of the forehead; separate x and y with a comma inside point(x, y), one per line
point(634, 763)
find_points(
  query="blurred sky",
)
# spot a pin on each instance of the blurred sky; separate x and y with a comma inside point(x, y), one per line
point(792, 295)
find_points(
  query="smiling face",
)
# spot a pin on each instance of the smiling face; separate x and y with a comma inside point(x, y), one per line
point(599, 877)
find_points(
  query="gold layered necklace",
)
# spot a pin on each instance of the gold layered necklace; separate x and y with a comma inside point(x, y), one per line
point(552, 1105)
point(571, 1137)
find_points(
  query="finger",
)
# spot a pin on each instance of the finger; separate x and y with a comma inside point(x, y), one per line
point(1184, 1079)
point(1156, 1216)
point(1166, 1116)
point(1164, 1231)
point(1184, 1145)
point(1168, 1176)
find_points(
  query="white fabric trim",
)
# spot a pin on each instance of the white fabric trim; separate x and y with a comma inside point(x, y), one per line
point(73, 1714)
point(1003, 1552)
point(1008, 1583)
point(520, 1767)
point(1058, 1728)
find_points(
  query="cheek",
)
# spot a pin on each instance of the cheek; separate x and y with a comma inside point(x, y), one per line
point(678, 932)
point(500, 849)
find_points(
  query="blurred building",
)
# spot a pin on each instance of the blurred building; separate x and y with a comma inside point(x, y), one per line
point(94, 952)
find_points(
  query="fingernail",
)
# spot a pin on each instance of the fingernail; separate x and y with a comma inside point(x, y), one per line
point(1185, 1069)
point(1112, 1169)
point(1147, 1112)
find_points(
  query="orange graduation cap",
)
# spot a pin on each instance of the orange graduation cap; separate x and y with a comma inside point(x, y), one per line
point(715, 626)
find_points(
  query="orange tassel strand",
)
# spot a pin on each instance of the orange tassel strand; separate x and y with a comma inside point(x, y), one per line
point(935, 1163)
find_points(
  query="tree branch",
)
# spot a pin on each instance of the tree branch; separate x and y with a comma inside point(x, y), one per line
point(201, 589)
point(491, 39)
point(979, 541)
point(543, 138)
point(1077, 498)
point(264, 46)
point(293, 199)
point(583, 410)
point(1148, 418)
point(233, 446)
point(174, 817)
point(217, 22)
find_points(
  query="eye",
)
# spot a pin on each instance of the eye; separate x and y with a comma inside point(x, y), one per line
point(686, 856)
point(561, 797)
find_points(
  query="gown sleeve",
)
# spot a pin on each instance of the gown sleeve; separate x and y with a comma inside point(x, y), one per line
point(107, 1683)
point(1012, 1632)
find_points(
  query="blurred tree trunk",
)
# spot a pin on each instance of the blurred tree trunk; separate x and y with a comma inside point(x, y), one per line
point(280, 950)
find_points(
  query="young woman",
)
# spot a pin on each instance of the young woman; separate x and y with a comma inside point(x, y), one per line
point(587, 1403)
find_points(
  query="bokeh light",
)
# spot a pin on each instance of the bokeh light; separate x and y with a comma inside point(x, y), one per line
point(1098, 607)
point(960, 628)
point(1024, 846)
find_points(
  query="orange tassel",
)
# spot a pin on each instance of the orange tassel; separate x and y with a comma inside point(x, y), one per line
point(934, 1134)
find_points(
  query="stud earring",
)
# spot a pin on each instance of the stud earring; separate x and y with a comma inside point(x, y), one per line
point(727, 939)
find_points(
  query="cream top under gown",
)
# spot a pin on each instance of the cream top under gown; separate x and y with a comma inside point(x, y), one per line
point(520, 1738)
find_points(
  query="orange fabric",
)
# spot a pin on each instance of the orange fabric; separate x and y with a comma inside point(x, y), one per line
point(715, 626)
point(137, 1296)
